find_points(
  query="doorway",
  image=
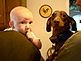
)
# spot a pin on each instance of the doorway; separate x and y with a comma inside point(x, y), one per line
point(75, 13)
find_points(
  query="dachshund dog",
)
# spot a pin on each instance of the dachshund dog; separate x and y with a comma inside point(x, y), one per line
point(61, 25)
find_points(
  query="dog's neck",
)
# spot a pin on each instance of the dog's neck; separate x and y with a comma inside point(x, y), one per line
point(60, 30)
point(61, 36)
point(57, 31)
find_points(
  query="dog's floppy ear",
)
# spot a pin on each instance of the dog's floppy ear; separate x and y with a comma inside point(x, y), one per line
point(48, 25)
point(73, 24)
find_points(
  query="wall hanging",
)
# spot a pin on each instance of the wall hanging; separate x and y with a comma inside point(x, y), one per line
point(45, 11)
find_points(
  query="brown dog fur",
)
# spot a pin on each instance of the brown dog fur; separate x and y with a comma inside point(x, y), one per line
point(60, 23)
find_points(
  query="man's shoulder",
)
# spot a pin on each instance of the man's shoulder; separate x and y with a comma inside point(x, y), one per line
point(71, 50)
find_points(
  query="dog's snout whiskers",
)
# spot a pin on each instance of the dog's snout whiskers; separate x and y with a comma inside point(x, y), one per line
point(56, 21)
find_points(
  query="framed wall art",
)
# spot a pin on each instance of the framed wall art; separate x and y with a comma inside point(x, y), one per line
point(45, 11)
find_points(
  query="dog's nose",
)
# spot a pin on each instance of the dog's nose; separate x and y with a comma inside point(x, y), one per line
point(56, 22)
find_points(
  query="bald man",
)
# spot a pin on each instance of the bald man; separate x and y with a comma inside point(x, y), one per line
point(20, 21)
point(14, 45)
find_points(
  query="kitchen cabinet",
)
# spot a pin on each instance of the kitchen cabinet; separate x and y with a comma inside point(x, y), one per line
point(5, 7)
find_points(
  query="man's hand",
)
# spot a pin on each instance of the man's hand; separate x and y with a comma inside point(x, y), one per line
point(35, 40)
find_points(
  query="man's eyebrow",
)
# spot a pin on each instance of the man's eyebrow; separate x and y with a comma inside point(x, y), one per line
point(31, 22)
point(26, 18)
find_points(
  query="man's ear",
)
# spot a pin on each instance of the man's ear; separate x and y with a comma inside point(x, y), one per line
point(11, 24)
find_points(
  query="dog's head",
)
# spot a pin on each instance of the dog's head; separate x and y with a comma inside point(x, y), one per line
point(60, 21)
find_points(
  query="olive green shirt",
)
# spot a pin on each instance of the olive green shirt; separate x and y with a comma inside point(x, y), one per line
point(16, 47)
point(71, 50)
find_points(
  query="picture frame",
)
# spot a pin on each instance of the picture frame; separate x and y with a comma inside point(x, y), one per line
point(45, 11)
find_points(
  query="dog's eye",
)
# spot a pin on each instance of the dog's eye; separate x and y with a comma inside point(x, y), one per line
point(54, 14)
point(64, 15)
point(52, 18)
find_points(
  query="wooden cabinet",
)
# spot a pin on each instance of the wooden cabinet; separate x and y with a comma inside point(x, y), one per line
point(5, 8)
point(2, 14)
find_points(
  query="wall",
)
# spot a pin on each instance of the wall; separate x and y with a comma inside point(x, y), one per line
point(39, 23)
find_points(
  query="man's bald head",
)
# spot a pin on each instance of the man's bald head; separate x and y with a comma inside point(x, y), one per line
point(18, 13)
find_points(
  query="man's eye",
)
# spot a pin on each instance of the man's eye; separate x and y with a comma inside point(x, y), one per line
point(22, 22)
point(30, 22)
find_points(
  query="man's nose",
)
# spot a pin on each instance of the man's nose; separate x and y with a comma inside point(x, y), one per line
point(27, 26)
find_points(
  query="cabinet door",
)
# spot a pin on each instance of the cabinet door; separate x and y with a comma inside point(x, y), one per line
point(2, 14)
point(5, 7)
